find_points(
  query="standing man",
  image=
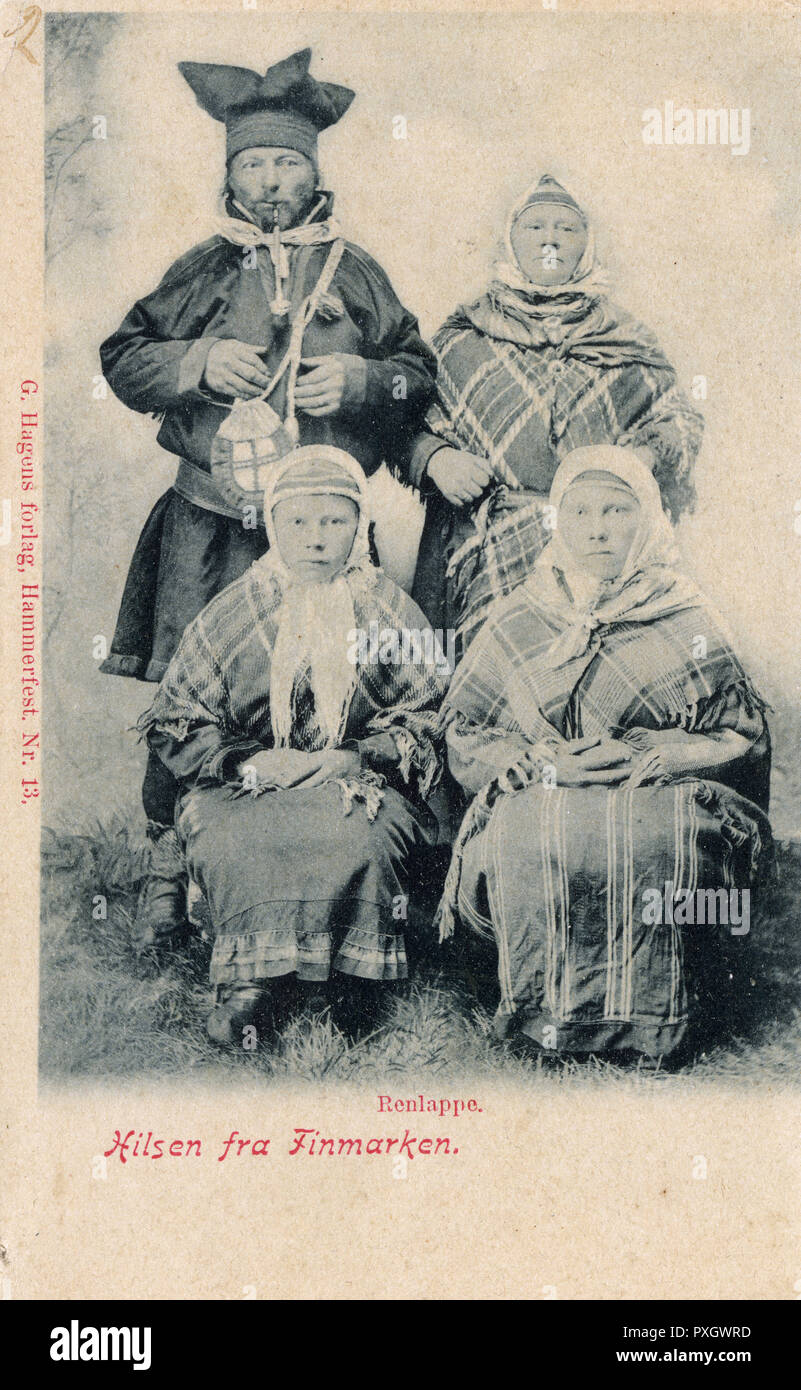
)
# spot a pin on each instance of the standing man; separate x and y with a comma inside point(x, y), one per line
point(277, 306)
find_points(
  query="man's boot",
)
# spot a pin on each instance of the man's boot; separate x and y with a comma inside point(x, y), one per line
point(161, 909)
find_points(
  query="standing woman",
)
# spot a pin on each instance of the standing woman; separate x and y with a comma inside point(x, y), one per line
point(541, 364)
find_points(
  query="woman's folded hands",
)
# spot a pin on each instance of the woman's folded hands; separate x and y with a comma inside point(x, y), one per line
point(672, 753)
point(591, 762)
point(283, 768)
point(580, 762)
point(648, 756)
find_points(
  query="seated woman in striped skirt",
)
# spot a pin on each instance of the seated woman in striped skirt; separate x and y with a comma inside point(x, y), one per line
point(305, 756)
point(618, 757)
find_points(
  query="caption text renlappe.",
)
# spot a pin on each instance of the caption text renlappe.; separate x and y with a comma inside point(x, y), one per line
point(309, 1141)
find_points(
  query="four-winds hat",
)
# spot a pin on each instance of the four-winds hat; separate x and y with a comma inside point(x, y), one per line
point(286, 107)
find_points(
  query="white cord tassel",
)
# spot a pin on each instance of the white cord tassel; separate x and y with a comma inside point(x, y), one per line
point(279, 306)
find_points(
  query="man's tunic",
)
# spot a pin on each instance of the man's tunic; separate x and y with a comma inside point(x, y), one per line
point(193, 545)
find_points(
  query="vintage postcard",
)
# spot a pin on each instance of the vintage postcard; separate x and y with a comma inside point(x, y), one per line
point(400, 573)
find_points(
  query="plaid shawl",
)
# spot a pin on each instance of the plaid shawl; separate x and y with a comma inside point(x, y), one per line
point(661, 674)
point(511, 532)
point(525, 407)
point(501, 398)
point(633, 674)
point(220, 674)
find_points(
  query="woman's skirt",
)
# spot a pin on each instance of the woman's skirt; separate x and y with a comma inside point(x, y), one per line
point(296, 886)
point(613, 910)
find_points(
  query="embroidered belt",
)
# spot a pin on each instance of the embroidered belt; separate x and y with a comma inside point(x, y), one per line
point(195, 485)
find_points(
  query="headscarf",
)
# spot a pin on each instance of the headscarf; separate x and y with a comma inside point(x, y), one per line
point(576, 317)
point(314, 619)
point(648, 587)
point(587, 277)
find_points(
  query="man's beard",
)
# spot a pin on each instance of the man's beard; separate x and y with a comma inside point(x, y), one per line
point(291, 211)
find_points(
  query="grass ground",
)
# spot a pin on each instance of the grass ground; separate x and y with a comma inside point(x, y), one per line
point(108, 1012)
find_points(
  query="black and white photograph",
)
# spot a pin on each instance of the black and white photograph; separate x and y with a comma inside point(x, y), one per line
point(406, 551)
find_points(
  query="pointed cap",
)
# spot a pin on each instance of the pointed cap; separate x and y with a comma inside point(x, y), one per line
point(548, 190)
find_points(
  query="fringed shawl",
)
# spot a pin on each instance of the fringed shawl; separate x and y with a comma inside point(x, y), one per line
point(631, 673)
point(506, 388)
point(666, 673)
point(220, 675)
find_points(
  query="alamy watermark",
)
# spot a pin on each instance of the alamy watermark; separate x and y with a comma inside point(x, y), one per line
point(406, 646)
point(685, 125)
point(76, 1343)
point(727, 907)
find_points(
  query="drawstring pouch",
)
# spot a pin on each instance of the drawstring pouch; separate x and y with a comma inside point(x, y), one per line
point(253, 438)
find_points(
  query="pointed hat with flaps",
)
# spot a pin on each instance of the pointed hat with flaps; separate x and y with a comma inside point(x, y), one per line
point(285, 108)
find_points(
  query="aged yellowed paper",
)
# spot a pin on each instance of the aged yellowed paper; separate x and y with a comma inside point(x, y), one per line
point(415, 1153)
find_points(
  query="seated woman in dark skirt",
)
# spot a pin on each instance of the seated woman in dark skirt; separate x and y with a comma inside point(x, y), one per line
point(305, 750)
point(618, 757)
